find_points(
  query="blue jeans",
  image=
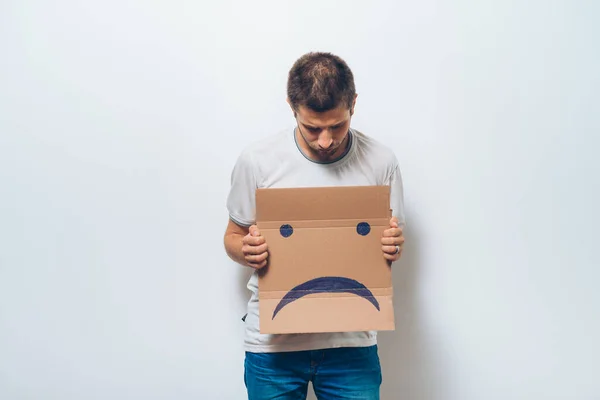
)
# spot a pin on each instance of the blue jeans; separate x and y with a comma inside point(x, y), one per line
point(342, 373)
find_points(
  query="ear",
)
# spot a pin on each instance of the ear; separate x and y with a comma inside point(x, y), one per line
point(291, 106)
point(353, 105)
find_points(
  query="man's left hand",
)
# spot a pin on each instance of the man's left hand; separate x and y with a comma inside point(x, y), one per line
point(392, 241)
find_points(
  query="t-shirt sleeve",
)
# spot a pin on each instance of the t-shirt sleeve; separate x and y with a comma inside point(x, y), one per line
point(241, 200)
point(397, 193)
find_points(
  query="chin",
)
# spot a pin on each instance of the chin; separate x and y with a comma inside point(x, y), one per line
point(326, 156)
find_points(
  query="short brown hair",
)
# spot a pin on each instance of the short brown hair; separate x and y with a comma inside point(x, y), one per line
point(321, 82)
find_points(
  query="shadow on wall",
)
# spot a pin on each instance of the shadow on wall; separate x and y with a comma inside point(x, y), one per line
point(407, 359)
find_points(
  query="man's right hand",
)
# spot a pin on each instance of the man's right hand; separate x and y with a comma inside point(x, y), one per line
point(254, 248)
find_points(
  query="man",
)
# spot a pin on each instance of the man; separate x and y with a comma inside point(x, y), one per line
point(322, 150)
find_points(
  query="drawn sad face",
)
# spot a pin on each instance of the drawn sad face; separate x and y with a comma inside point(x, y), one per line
point(326, 270)
point(328, 284)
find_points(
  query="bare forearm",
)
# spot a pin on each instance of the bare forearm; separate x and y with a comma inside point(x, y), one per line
point(233, 246)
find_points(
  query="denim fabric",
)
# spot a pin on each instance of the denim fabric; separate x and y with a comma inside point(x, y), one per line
point(341, 373)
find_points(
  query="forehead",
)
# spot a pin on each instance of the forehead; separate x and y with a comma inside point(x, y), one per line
point(321, 119)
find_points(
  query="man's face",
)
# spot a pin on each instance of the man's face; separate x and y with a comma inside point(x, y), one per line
point(323, 136)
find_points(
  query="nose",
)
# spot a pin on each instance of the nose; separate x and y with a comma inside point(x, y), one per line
point(325, 140)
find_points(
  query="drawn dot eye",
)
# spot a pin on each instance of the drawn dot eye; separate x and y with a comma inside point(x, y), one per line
point(363, 228)
point(286, 230)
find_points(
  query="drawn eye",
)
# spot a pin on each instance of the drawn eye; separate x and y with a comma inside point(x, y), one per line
point(363, 228)
point(286, 230)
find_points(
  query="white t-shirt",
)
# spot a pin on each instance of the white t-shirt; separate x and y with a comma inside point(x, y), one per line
point(277, 162)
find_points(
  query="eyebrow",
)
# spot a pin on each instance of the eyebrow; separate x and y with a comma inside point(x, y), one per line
point(309, 126)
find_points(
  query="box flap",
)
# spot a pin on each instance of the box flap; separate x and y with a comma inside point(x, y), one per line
point(299, 204)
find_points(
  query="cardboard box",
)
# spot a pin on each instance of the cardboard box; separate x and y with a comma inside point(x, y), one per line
point(326, 270)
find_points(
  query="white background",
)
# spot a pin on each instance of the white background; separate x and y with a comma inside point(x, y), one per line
point(120, 122)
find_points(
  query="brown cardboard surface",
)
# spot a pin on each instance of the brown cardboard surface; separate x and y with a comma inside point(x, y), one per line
point(325, 276)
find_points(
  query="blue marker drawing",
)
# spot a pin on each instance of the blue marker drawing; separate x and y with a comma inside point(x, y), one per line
point(363, 228)
point(286, 230)
point(327, 284)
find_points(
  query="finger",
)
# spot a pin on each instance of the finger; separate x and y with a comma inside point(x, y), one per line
point(394, 222)
point(392, 240)
point(247, 249)
point(256, 259)
point(258, 265)
point(253, 240)
point(392, 257)
point(392, 251)
point(389, 249)
point(392, 232)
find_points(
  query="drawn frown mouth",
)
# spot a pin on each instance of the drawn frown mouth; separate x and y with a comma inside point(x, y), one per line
point(327, 284)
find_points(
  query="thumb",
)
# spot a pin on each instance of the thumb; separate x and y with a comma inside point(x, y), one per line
point(254, 231)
